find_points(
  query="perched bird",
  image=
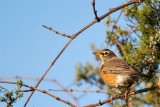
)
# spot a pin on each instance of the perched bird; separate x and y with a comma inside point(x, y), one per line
point(116, 72)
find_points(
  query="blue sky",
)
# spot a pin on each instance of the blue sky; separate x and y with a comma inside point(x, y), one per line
point(27, 49)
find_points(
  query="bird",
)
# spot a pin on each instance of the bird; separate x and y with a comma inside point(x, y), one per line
point(116, 72)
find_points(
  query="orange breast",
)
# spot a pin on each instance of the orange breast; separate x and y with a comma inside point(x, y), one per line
point(117, 80)
point(110, 79)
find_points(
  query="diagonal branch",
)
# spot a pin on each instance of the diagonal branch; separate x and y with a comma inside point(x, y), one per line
point(74, 36)
point(50, 66)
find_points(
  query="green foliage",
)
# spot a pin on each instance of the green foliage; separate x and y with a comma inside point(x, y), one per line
point(10, 97)
point(140, 43)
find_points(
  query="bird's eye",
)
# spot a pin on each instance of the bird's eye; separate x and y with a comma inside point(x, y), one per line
point(105, 53)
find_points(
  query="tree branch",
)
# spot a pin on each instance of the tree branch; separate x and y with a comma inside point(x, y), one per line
point(123, 95)
point(74, 36)
point(46, 79)
point(42, 91)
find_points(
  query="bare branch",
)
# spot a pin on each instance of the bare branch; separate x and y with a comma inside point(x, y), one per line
point(95, 11)
point(57, 32)
point(74, 36)
point(123, 95)
point(42, 91)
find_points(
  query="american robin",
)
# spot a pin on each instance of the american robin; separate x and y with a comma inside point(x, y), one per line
point(116, 72)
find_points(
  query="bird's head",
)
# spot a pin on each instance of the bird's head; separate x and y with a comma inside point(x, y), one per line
point(104, 54)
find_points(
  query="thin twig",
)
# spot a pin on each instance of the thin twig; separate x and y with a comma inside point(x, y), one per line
point(42, 91)
point(95, 11)
point(57, 32)
point(25, 90)
point(119, 45)
point(131, 27)
point(84, 91)
point(122, 95)
point(115, 22)
point(74, 36)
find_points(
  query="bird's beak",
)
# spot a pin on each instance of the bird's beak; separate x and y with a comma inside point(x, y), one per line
point(97, 55)
point(94, 52)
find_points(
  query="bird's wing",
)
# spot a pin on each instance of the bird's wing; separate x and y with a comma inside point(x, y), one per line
point(118, 66)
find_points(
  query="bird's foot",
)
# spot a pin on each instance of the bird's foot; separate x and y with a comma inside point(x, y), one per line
point(126, 95)
point(111, 100)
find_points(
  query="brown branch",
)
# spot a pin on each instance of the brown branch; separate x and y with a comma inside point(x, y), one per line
point(42, 91)
point(95, 11)
point(74, 36)
point(57, 32)
point(123, 95)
